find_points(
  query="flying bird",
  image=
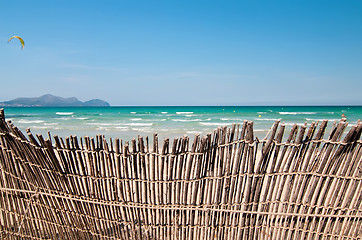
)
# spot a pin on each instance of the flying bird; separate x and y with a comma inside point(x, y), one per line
point(20, 39)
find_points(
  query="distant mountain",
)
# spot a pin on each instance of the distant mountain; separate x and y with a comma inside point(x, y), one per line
point(96, 102)
point(53, 101)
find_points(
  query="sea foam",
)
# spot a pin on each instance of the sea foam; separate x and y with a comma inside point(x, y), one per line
point(187, 120)
point(295, 113)
point(137, 124)
point(266, 119)
point(30, 121)
point(214, 124)
point(184, 112)
point(64, 113)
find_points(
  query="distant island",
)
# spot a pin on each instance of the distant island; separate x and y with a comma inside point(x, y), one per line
point(49, 100)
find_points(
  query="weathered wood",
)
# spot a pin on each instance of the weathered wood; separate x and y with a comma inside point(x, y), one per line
point(227, 185)
point(2, 114)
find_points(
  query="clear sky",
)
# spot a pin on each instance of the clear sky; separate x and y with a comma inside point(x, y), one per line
point(172, 52)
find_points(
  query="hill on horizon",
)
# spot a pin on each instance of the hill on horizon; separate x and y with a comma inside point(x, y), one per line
point(49, 100)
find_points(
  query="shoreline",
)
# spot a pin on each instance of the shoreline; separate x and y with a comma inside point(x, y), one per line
point(169, 122)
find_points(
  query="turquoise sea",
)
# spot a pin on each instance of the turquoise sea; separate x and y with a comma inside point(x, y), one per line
point(129, 122)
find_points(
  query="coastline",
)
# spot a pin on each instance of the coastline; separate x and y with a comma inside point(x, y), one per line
point(168, 122)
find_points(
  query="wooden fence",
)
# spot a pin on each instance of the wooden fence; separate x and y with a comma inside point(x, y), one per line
point(225, 185)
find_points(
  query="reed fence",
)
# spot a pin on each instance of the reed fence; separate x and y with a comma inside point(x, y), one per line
point(225, 185)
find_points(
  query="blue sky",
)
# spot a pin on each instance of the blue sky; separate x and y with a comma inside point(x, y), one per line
point(184, 52)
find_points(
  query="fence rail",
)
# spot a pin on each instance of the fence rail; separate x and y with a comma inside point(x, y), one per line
point(225, 185)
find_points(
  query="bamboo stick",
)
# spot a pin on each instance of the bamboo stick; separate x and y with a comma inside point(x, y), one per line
point(274, 194)
point(220, 188)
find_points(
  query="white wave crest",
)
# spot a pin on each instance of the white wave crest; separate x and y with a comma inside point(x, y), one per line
point(122, 127)
point(137, 124)
point(295, 113)
point(186, 120)
point(50, 124)
point(229, 119)
point(44, 127)
point(30, 121)
point(64, 113)
point(292, 124)
point(214, 124)
point(103, 124)
point(266, 119)
point(193, 132)
point(184, 112)
point(314, 119)
point(145, 129)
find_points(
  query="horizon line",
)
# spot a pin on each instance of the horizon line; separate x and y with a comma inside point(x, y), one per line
point(247, 105)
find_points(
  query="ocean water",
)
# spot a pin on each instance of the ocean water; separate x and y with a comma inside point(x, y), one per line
point(129, 122)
